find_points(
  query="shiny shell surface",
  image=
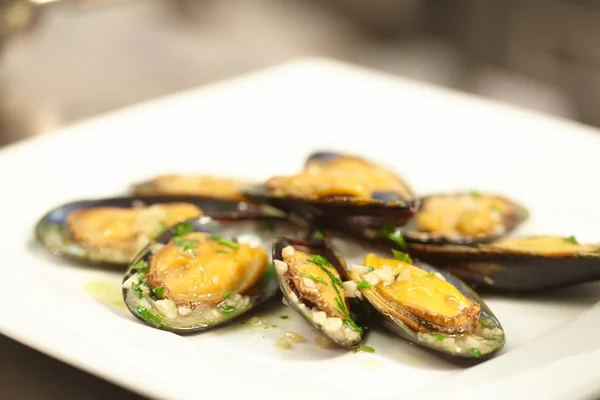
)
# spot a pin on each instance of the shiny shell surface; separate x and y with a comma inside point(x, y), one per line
point(517, 263)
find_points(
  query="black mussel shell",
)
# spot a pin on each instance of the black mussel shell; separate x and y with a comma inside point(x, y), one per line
point(350, 328)
point(156, 306)
point(485, 340)
point(52, 230)
point(503, 217)
point(487, 266)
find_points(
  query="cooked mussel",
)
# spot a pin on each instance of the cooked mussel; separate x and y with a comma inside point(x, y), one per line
point(334, 187)
point(197, 186)
point(463, 218)
point(312, 286)
point(423, 305)
point(517, 263)
point(204, 272)
point(112, 231)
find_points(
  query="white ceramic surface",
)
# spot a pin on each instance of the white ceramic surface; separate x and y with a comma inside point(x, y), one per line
point(266, 123)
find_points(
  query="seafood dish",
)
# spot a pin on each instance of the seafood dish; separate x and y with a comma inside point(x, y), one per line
point(345, 243)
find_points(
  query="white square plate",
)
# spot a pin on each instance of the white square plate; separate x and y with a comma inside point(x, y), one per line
point(266, 123)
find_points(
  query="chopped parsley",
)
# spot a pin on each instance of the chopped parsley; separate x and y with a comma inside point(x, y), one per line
point(225, 242)
point(187, 244)
point(391, 233)
point(140, 265)
point(431, 275)
point(319, 235)
point(226, 295)
point(270, 226)
point(148, 316)
point(366, 349)
point(363, 285)
point(571, 239)
point(314, 278)
point(228, 309)
point(371, 269)
point(158, 292)
point(486, 323)
point(438, 336)
point(405, 258)
point(136, 287)
point(183, 228)
point(284, 317)
point(474, 352)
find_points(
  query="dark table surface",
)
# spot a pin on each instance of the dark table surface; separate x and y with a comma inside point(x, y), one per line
point(28, 374)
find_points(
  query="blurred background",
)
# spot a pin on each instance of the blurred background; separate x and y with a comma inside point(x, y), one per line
point(66, 60)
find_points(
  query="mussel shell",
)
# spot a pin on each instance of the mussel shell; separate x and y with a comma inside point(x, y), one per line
point(501, 269)
point(353, 252)
point(359, 312)
point(52, 231)
point(510, 221)
point(339, 212)
point(258, 229)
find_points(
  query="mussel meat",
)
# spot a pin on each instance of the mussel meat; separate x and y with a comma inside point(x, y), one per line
point(517, 263)
point(204, 272)
point(111, 231)
point(334, 187)
point(312, 286)
point(200, 185)
point(421, 304)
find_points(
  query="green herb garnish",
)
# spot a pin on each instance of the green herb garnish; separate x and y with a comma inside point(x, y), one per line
point(148, 316)
point(389, 231)
point(270, 226)
point(319, 235)
point(405, 258)
point(226, 295)
point(284, 317)
point(140, 265)
point(438, 336)
point(225, 242)
point(314, 278)
point(571, 239)
point(366, 349)
point(371, 269)
point(228, 309)
point(137, 289)
point(474, 352)
point(363, 285)
point(322, 263)
point(187, 244)
point(158, 292)
point(431, 275)
point(183, 228)
point(486, 323)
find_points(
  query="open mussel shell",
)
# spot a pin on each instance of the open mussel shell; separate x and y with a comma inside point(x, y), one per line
point(101, 231)
point(327, 200)
point(420, 303)
point(464, 218)
point(205, 272)
point(194, 186)
point(310, 282)
point(517, 264)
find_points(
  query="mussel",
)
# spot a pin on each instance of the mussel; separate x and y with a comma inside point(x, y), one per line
point(335, 188)
point(517, 263)
point(312, 286)
point(197, 186)
point(204, 272)
point(421, 304)
point(463, 218)
point(111, 231)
